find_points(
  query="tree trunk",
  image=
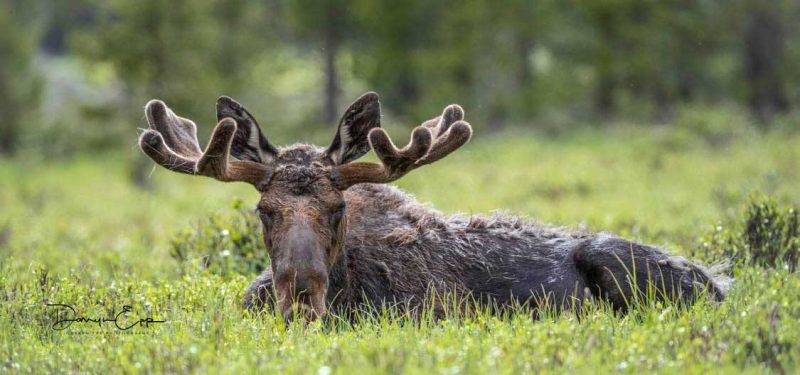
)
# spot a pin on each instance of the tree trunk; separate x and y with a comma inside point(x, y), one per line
point(664, 102)
point(763, 55)
point(140, 171)
point(9, 124)
point(7, 139)
point(604, 104)
point(604, 94)
point(331, 93)
point(525, 103)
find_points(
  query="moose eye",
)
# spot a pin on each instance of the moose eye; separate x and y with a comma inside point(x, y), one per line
point(264, 214)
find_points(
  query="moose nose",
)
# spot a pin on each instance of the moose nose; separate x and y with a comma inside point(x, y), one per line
point(301, 286)
point(302, 293)
point(301, 271)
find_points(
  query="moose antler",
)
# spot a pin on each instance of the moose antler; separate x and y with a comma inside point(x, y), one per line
point(431, 141)
point(171, 141)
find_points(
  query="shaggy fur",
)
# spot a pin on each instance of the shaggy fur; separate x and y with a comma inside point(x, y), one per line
point(338, 238)
point(397, 251)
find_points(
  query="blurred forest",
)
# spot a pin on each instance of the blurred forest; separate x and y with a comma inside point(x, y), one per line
point(75, 74)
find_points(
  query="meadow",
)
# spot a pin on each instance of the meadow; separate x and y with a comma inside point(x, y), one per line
point(78, 232)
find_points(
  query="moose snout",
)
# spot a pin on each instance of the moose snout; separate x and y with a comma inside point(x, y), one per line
point(301, 274)
point(302, 293)
point(300, 287)
point(304, 284)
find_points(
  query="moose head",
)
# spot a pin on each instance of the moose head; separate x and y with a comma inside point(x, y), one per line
point(302, 206)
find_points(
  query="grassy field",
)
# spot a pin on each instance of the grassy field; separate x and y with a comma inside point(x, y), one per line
point(78, 232)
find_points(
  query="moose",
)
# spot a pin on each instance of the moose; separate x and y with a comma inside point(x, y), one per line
point(339, 238)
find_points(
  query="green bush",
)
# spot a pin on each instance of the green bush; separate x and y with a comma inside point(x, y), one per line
point(715, 125)
point(222, 244)
point(767, 236)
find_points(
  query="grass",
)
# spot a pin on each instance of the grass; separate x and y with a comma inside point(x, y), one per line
point(77, 232)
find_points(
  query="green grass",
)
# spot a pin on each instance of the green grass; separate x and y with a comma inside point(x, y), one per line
point(77, 232)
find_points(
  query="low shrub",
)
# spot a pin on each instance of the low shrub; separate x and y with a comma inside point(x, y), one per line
point(223, 244)
point(715, 125)
point(767, 236)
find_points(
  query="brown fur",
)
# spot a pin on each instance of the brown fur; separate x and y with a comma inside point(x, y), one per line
point(338, 238)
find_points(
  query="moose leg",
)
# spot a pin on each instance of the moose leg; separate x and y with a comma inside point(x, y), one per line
point(259, 293)
point(622, 272)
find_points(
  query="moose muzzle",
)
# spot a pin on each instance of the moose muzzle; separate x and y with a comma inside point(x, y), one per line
point(301, 275)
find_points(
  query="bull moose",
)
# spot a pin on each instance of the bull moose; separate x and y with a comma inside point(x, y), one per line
point(340, 238)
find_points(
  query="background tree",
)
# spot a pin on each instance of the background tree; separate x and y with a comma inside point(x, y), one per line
point(19, 81)
point(545, 64)
point(392, 34)
point(327, 24)
point(184, 52)
point(764, 51)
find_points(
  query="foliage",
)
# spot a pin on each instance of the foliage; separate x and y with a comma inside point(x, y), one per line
point(78, 232)
point(714, 125)
point(222, 244)
point(151, 29)
point(754, 330)
point(19, 80)
point(767, 236)
point(641, 182)
point(545, 64)
point(672, 81)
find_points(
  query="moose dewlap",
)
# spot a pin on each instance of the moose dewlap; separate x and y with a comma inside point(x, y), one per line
point(339, 238)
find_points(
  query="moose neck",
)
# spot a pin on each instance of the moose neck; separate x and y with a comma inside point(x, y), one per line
point(373, 212)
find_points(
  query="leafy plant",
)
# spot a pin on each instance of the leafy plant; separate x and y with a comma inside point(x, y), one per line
point(222, 244)
point(767, 236)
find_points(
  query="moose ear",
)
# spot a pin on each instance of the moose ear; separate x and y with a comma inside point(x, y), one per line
point(351, 140)
point(249, 142)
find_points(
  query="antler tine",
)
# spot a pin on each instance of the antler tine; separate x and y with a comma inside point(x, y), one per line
point(452, 132)
point(171, 141)
point(431, 141)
